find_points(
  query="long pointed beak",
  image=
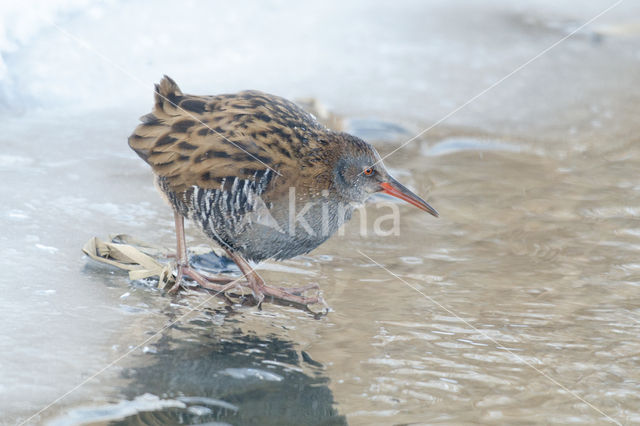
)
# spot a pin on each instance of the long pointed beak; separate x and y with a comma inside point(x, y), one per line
point(398, 190)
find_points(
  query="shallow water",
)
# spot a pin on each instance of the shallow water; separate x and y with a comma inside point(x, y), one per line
point(519, 305)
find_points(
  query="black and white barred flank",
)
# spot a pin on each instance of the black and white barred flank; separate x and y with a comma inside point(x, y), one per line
point(221, 213)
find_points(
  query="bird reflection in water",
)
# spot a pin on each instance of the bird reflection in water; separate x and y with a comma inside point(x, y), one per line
point(201, 372)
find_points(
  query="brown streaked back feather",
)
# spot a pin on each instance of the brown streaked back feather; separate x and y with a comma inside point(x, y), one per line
point(201, 140)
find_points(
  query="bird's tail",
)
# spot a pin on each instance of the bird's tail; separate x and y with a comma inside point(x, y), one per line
point(167, 96)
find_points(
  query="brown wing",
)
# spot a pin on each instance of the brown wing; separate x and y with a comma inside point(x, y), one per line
point(204, 140)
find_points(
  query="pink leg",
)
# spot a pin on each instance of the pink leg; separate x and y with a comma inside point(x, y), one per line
point(260, 289)
point(184, 269)
point(221, 284)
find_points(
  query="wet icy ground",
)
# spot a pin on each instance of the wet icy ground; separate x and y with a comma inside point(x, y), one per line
point(536, 182)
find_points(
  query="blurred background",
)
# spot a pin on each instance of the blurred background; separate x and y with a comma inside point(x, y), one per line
point(534, 172)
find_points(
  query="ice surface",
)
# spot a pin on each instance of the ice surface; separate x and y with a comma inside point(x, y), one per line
point(119, 411)
point(75, 76)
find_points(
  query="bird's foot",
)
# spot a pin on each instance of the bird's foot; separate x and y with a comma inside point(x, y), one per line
point(294, 295)
point(214, 283)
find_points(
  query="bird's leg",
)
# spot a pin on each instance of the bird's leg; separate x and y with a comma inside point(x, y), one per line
point(185, 270)
point(181, 253)
point(260, 289)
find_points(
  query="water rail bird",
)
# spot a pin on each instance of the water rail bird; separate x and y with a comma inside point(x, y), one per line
point(259, 176)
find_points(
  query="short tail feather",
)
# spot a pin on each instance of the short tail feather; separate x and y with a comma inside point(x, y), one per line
point(167, 96)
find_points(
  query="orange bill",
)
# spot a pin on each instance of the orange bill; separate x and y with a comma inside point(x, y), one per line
point(396, 189)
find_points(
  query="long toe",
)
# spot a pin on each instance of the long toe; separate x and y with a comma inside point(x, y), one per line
point(258, 294)
point(300, 290)
point(219, 284)
point(179, 277)
point(289, 296)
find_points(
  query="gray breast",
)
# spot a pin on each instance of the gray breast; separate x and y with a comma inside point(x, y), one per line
point(279, 234)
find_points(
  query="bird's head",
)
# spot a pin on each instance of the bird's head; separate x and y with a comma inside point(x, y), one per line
point(359, 173)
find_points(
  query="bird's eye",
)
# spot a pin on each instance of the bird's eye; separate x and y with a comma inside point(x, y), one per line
point(368, 171)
